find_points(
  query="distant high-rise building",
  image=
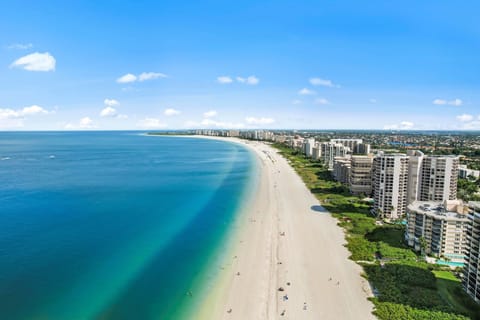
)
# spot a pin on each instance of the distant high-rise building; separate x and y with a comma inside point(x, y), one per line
point(356, 146)
point(362, 148)
point(330, 150)
point(316, 152)
point(341, 169)
point(361, 175)
point(390, 184)
point(471, 270)
point(464, 172)
point(309, 144)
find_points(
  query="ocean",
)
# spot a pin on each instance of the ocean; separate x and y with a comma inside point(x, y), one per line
point(114, 225)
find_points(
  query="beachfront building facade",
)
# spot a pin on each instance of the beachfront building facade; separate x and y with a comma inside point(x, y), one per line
point(341, 169)
point(390, 182)
point(438, 228)
point(330, 150)
point(360, 181)
point(415, 159)
point(471, 270)
point(438, 178)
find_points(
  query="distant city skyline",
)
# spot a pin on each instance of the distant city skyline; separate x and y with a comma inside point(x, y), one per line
point(275, 64)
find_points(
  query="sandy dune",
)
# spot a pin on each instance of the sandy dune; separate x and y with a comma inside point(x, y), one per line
point(285, 240)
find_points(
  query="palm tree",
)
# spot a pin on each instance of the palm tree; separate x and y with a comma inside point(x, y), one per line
point(423, 246)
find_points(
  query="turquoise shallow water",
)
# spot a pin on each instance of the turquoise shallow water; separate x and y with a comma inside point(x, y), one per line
point(113, 225)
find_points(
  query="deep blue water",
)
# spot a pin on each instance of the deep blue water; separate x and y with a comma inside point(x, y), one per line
point(113, 225)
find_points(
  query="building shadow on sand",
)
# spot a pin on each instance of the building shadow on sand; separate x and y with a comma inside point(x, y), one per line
point(318, 208)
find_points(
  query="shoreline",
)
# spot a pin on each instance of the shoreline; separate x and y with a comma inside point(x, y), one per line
point(283, 240)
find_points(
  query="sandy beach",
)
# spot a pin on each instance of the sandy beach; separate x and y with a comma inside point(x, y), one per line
point(288, 259)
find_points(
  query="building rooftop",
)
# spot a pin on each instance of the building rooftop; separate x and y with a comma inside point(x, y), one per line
point(440, 210)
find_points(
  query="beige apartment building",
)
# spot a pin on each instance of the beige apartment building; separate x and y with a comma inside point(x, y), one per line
point(330, 150)
point(438, 178)
point(341, 169)
point(443, 227)
point(361, 175)
point(390, 182)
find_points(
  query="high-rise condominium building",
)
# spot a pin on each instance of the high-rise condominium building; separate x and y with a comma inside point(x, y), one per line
point(341, 169)
point(356, 146)
point(361, 175)
point(330, 150)
point(309, 145)
point(471, 270)
point(390, 182)
point(438, 178)
point(439, 228)
point(415, 159)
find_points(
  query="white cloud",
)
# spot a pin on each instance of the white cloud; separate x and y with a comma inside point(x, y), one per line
point(259, 121)
point(210, 123)
point(108, 112)
point(83, 123)
point(150, 76)
point(122, 116)
point(35, 62)
point(472, 125)
point(27, 111)
point(323, 82)
point(465, 117)
point(33, 110)
point(456, 102)
point(251, 80)
point(8, 114)
point(321, 101)
point(111, 102)
point(127, 78)
point(210, 114)
point(86, 122)
point(305, 92)
point(11, 123)
point(144, 76)
point(171, 112)
point(151, 123)
point(224, 80)
point(439, 101)
point(404, 125)
point(20, 46)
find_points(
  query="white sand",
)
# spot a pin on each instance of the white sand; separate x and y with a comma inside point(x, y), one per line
point(309, 253)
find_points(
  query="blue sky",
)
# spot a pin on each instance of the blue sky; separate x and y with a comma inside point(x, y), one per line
point(250, 64)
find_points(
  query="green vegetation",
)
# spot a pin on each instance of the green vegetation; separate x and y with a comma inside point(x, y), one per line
point(405, 286)
point(450, 290)
point(467, 189)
